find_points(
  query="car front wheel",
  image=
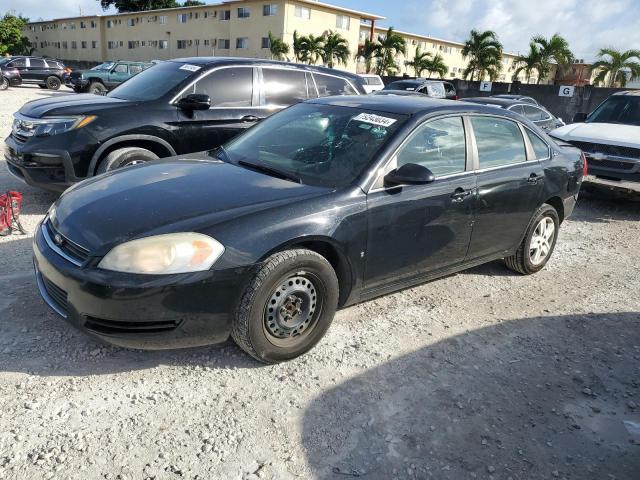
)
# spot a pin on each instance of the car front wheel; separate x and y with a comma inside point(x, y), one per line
point(97, 88)
point(287, 307)
point(125, 157)
point(53, 83)
point(539, 242)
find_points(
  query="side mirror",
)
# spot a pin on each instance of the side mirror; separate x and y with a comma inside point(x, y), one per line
point(195, 101)
point(579, 117)
point(409, 174)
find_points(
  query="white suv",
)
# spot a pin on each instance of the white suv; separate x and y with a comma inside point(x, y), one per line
point(371, 83)
point(610, 139)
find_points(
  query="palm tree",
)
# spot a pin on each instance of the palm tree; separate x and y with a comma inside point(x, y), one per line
point(278, 47)
point(419, 62)
point(436, 65)
point(485, 55)
point(298, 47)
point(391, 45)
point(368, 51)
point(527, 63)
point(554, 49)
point(335, 49)
point(616, 67)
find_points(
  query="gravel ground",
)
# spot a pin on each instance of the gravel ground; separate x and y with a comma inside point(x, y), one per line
point(484, 374)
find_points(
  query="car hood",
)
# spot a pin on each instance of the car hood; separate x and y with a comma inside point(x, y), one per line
point(72, 104)
point(606, 133)
point(181, 194)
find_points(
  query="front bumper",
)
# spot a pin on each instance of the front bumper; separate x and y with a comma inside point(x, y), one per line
point(46, 163)
point(139, 311)
point(618, 185)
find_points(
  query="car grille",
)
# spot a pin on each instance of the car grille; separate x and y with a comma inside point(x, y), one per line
point(66, 246)
point(56, 294)
point(612, 150)
point(114, 327)
point(18, 138)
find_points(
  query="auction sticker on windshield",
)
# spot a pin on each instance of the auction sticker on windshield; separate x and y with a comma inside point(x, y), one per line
point(191, 68)
point(375, 119)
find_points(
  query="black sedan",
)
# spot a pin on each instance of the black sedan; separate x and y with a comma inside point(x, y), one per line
point(328, 203)
point(537, 114)
point(9, 76)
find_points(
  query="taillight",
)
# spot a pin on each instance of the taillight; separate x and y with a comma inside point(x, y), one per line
point(585, 167)
point(456, 97)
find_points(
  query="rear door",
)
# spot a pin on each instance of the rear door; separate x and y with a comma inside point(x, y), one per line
point(510, 185)
point(234, 107)
point(38, 70)
point(417, 229)
point(282, 87)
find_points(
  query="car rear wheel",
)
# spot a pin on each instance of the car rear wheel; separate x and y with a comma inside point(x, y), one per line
point(97, 88)
point(538, 244)
point(125, 157)
point(53, 83)
point(4, 83)
point(287, 307)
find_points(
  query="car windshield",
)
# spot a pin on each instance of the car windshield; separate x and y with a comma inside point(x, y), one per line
point(320, 145)
point(154, 82)
point(103, 66)
point(623, 109)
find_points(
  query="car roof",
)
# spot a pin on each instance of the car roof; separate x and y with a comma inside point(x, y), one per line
point(213, 61)
point(629, 92)
point(509, 95)
point(409, 105)
point(498, 102)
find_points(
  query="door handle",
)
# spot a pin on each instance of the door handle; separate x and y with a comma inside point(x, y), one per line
point(460, 194)
point(250, 118)
point(533, 179)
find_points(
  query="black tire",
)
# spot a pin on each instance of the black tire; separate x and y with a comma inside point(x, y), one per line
point(522, 262)
point(77, 89)
point(124, 157)
point(42, 85)
point(53, 83)
point(4, 83)
point(253, 326)
point(97, 88)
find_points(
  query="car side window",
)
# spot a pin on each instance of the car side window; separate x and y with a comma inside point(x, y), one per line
point(121, 68)
point(227, 87)
point(328, 85)
point(37, 63)
point(534, 114)
point(540, 147)
point(517, 109)
point(499, 141)
point(19, 62)
point(136, 68)
point(438, 145)
point(284, 87)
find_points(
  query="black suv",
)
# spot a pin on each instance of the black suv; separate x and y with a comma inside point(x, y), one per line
point(173, 108)
point(9, 76)
point(45, 72)
point(431, 88)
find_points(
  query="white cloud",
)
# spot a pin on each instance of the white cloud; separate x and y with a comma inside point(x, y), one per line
point(44, 9)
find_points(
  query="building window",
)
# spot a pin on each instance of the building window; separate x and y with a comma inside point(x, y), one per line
point(131, 44)
point(94, 44)
point(224, 44)
point(182, 44)
point(270, 10)
point(343, 22)
point(111, 45)
point(225, 14)
point(83, 44)
point(162, 19)
point(182, 18)
point(72, 26)
point(303, 12)
point(74, 44)
point(93, 24)
point(206, 43)
point(244, 12)
point(266, 43)
point(163, 44)
point(242, 42)
point(109, 23)
point(83, 25)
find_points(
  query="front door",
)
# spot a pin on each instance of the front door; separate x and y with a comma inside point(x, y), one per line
point(417, 229)
point(510, 186)
point(20, 64)
point(118, 74)
point(37, 70)
point(234, 108)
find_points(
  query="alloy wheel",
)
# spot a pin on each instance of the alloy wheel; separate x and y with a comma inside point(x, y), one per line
point(542, 240)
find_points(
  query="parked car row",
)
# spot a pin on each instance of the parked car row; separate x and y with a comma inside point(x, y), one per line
point(44, 72)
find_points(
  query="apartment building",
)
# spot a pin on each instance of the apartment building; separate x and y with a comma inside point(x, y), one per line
point(228, 28)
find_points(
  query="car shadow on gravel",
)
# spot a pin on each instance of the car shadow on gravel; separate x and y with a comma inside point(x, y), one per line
point(534, 398)
point(598, 205)
point(35, 340)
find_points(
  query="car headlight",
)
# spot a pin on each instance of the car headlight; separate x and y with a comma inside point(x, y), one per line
point(164, 254)
point(44, 127)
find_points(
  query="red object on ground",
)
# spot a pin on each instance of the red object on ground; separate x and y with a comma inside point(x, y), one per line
point(10, 204)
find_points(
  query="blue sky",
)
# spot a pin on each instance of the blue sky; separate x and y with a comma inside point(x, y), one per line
point(587, 24)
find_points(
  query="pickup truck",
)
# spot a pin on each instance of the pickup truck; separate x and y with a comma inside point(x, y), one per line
point(610, 139)
point(104, 77)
